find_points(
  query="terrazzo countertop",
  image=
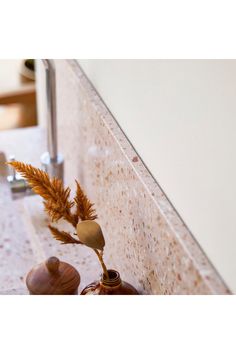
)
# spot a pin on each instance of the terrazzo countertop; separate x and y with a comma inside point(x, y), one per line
point(146, 240)
point(25, 239)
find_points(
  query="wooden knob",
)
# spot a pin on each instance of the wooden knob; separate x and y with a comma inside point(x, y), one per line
point(52, 264)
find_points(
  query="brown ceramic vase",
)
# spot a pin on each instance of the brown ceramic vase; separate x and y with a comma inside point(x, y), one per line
point(112, 286)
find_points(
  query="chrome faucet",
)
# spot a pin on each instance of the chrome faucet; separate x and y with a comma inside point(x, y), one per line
point(52, 162)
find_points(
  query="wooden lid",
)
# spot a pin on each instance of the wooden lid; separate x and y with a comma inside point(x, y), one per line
point(53, 278)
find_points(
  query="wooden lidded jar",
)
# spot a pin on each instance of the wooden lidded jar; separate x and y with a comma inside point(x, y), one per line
point(53, 277)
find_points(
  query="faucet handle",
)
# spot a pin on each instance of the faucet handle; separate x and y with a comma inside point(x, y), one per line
point(18, 184)
point(12, 171)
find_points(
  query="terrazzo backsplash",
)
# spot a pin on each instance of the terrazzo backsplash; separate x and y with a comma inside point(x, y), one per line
point(146, 240)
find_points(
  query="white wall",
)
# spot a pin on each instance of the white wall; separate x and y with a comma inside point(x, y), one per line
point(180, 115)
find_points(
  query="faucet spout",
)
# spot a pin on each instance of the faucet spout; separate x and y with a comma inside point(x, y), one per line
point(52, 162)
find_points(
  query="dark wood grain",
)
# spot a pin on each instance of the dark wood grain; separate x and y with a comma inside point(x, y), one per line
point(53, 277)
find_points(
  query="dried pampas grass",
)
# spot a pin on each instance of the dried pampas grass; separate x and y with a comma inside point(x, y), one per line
point(58, 205)
point(56, 198)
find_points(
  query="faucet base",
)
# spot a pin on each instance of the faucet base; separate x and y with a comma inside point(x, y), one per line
point(54, 167)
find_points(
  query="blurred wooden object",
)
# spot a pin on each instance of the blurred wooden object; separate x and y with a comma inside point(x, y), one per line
point(10, 117)
point(53, 277)
point(17, 97)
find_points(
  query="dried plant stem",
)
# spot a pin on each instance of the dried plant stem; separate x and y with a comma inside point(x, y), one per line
point(62, 236)
point(102, 262)
point(56, 198)
point(84, 208)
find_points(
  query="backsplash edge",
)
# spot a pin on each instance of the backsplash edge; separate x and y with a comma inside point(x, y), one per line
point(174, 263)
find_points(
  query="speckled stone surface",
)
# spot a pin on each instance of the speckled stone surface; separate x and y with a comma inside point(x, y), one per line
point(147, 242)
point(24, 237)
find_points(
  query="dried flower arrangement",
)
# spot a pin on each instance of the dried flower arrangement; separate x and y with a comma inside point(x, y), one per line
point(79, 212)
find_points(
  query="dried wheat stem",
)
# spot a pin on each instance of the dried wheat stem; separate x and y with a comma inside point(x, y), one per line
point(102, 263)
point(62, 236)
point(56, 198)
